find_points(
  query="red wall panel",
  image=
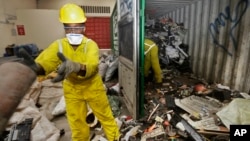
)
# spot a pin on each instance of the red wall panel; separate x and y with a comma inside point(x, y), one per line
point(98, 29)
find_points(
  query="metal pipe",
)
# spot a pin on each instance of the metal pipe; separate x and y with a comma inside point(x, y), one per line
point(15, 81)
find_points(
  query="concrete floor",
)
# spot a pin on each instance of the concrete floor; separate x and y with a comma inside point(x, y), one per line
point(62, 124)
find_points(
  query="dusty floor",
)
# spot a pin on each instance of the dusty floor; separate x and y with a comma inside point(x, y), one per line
point(62, 124)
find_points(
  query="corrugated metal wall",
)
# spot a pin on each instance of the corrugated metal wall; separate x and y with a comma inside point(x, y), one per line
point(219, 40)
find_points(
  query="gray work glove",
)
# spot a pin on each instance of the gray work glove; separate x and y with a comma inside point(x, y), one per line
point(67, 67)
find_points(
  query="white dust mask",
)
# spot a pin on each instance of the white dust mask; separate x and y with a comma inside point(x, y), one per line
point(74, 39)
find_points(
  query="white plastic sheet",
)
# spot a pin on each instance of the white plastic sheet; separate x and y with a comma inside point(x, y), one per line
point(236, 112)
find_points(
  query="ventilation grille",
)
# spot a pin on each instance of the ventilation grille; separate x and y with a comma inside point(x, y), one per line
point(96, 9)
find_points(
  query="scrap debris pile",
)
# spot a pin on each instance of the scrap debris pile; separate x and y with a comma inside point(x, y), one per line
point(185, 108)
point(169, 37)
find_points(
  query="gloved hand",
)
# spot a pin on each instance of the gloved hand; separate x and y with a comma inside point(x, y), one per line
point(66, 68)
point(28, 60)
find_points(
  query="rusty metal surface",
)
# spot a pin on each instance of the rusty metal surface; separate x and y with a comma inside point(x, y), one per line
point(15, 81)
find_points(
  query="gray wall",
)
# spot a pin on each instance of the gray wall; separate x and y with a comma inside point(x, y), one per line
point(7, 20)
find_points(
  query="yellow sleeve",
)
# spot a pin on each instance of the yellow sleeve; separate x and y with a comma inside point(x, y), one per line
point(92, 59)
point(48, 58)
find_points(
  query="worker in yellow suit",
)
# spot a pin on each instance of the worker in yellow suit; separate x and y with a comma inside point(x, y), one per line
point(76, 59)
point(152, 61)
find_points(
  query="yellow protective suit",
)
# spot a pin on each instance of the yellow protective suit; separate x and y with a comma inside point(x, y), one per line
point(152, 60)
point(80, 91)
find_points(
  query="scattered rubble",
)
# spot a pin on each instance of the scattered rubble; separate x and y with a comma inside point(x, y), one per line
point(185, 108)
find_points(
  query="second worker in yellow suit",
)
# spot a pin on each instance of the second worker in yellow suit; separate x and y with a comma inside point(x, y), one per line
point(77, 59)
point(152, 60)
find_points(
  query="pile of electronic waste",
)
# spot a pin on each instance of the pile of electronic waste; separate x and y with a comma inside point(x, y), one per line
point(180, 111)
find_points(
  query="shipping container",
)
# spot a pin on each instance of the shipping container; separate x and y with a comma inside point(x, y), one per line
point(217, 33)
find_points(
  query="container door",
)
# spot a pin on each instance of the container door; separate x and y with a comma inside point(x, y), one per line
point(129, 54)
